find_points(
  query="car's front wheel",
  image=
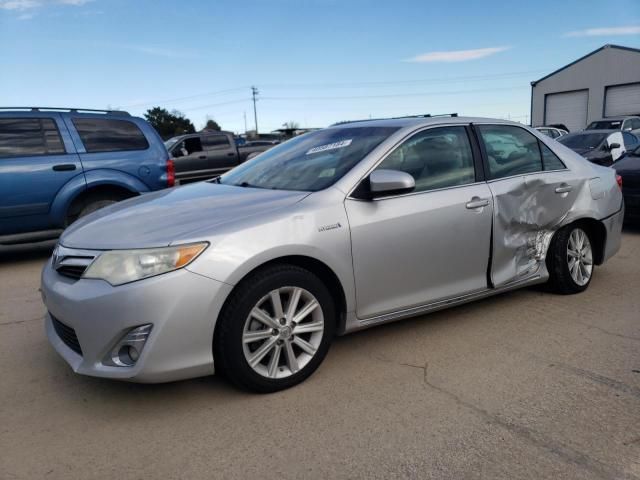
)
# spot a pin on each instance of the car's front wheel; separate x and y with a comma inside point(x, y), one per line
point(275, 329)
point(570, 260)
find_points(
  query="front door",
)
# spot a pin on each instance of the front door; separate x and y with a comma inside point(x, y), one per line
point(429, 245)
point(221, 154)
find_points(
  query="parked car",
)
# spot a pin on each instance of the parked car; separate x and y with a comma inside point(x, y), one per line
point(206, 155)
point(624, 124)
point(602, 147)
point(331, 232)
point(628, 168)
point(552, 132)
point(57, 165)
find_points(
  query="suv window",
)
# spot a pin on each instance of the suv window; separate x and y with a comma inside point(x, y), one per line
point(215, 142)
point(630, 140)
point(24, 137)
point(436, 158)
point(102, 135)
point(510, 150)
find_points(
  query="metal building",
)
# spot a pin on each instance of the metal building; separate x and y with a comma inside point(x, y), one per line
point(603, 83)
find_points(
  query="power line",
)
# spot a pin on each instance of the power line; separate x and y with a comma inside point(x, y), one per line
point(407, 82)
point(177, 99)
point(395, 95)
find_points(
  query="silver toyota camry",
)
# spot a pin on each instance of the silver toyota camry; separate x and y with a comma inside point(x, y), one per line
point(254, 273)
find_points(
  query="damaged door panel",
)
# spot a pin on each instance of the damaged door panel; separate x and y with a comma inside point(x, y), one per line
point(527, 212)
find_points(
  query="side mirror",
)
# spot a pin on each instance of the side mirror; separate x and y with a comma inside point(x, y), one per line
point(176, 153)
point(387, 182)
point(614, 145)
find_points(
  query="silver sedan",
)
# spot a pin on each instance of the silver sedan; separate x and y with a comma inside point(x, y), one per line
point(341, 229)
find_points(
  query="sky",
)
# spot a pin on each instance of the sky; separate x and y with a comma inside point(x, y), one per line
point(314, 62)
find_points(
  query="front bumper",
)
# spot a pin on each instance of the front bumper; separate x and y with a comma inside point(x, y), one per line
point(182, 307)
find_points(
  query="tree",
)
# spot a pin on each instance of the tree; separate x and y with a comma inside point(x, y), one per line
point(212, 125)
point(169, 124)
point(291, 125)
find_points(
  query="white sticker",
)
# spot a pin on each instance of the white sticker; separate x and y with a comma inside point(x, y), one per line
point(330, 146)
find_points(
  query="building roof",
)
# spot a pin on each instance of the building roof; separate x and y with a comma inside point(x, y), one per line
point(637, 50)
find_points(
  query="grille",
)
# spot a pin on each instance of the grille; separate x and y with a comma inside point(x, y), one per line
point(71, 271)
point(67, 335)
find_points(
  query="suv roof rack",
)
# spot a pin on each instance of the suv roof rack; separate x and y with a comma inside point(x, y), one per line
point(66, 109)
point(424, 115)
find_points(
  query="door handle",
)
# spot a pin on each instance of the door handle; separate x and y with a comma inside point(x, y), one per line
point(202, 157)
point(64, 167)
point(564, 188)
point(230, 154)
point(477, 202)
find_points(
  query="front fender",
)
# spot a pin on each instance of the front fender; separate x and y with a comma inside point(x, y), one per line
point(81, 183)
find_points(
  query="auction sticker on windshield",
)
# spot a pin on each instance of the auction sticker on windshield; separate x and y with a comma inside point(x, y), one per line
point(330, 146)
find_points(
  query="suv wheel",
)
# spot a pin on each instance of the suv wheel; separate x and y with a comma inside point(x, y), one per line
point(275, 330)
point(570, 261)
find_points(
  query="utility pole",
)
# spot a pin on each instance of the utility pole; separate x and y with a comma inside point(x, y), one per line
point(244, 114)
point(254, 93)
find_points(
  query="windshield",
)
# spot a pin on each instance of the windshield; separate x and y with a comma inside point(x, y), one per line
point(311, 162)
point(605, 125)
point(587, 140)
point(171, 142)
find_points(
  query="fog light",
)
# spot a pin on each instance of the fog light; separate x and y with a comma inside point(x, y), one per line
point(127, 351)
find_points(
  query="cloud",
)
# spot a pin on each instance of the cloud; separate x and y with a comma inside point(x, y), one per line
point(605, 31)
point(22, 5)
point(456, 55)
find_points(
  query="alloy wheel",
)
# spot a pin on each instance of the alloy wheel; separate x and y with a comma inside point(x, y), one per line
point(579, 257)
point(283, 332)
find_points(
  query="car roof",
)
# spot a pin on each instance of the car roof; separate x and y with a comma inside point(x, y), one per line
point(422, 121)
point(606, 131)
point(615, 119)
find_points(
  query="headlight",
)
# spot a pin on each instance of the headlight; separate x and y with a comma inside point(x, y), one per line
point(123, 266)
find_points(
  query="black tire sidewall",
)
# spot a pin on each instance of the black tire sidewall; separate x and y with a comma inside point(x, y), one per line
point(228, 350)
point(560, 278)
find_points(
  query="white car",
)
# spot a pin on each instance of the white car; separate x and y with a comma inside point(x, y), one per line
point(552, 132)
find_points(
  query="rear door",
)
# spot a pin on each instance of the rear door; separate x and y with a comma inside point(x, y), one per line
point(221, 153)
point(429, 245)
point(34, 166)
point(532, 191)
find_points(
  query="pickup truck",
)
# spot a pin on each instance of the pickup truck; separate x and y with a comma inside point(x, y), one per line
point(205, 155)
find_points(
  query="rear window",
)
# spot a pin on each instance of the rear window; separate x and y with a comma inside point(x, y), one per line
point(214, 142)
point(26, 137)
point(102, 135)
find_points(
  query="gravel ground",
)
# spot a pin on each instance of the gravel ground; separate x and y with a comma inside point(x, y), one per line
point(523, 385)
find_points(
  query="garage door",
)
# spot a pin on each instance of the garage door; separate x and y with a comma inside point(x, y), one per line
point(568, 108)
point(622, 100)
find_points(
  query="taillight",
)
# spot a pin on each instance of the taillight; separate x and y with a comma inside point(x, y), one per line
point(171, 173)
point(619, 180)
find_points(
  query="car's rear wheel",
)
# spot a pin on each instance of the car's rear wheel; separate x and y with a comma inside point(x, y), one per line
point(570, 260)
point(275, 330)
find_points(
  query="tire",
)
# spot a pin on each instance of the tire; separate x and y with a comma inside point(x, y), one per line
point(97, 203)
point(255, 352)
point(570, 266)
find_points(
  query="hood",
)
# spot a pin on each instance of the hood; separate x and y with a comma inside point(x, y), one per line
point(167, 216)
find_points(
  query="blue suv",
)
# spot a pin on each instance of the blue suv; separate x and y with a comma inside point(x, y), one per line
point(57, 165)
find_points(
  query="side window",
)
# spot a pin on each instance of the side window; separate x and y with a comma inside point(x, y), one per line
point(24, 137)
point(436, 158)
point(550, 160)
point(635, 123)
point(630, 140)
point(510, 150)
point(215, 142)
point(102, 135)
